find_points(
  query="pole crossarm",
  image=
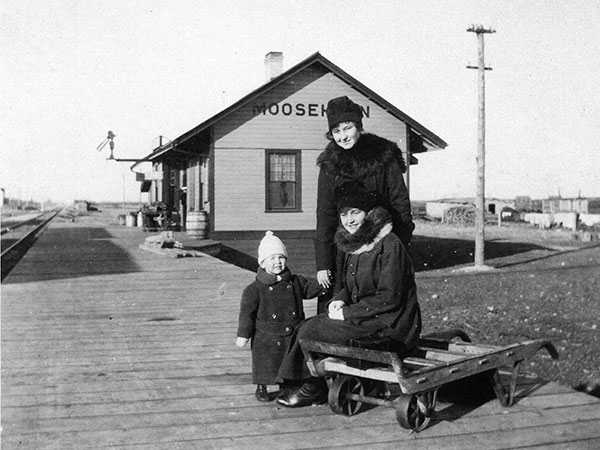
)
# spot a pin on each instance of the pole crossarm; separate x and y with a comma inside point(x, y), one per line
point(480, 29)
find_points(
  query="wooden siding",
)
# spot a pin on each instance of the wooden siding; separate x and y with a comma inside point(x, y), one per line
point(291, 122)
point(239, 200)
point(291, 116)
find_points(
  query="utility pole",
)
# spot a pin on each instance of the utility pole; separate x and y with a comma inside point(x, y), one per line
point(480, 199)
point(408, 158)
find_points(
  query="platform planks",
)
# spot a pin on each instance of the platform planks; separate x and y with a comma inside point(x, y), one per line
point(107, 346)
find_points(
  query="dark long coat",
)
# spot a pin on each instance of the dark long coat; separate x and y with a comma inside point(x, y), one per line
point(376, 280)
point(379, 164)
point(270, 310)
point(377, 284)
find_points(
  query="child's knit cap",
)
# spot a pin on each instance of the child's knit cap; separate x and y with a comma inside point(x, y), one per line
point(270, 245)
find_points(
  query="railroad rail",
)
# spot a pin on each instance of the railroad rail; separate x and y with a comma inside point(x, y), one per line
point(19, 221)
point(13, 254)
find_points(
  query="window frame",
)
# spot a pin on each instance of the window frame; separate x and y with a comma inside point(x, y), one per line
point(298, 175)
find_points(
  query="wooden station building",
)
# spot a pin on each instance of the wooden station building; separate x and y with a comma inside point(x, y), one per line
point(252, 167)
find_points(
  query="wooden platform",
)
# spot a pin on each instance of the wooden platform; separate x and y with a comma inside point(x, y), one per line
point(105, 345)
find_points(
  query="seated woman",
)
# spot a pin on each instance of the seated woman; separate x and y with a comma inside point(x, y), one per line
point(375, 293)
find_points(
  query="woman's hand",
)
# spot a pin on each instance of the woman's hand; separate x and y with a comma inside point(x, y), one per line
point(324, 278)
point(335, 310)
point(241, 342)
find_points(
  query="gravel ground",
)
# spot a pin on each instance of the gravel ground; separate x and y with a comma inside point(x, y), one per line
point(540, 284)
point(554, 298)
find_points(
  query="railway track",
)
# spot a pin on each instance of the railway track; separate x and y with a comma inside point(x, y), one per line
point(19, 236)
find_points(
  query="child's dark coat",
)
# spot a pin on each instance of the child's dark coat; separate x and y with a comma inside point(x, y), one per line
point(270, 310)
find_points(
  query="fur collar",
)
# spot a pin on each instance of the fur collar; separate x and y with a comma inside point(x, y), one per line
point(370, 154)
point(377, 225)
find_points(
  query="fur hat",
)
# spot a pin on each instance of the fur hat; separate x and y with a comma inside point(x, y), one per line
point(353, 194)
point(270, 245)
point(342, 109)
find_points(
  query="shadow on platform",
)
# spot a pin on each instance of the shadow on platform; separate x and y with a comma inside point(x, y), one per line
point(428, 253)
point(72, 252)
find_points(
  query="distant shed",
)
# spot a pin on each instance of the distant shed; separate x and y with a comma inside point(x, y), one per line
point(252, 167)
point(81, 205)
point(578, 205)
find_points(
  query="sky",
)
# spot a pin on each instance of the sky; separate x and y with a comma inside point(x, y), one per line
point(72, 70)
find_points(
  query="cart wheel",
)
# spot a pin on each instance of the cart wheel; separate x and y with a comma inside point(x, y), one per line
point(414, 412)
point(338, 400)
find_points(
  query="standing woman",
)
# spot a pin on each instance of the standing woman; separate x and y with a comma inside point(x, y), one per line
point(353, 155)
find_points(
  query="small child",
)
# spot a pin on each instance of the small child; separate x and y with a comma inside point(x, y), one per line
point(271, 308)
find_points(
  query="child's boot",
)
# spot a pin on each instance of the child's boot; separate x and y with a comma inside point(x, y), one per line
point(262, 395)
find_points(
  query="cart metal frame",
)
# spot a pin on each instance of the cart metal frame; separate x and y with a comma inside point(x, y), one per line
point(439, 359)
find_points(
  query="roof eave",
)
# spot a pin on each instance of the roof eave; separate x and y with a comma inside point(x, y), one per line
point(434, 140)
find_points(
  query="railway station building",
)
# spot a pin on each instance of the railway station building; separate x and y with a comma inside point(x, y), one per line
point(252, 167)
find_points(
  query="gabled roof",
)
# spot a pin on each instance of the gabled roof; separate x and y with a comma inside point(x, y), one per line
point(432, 139)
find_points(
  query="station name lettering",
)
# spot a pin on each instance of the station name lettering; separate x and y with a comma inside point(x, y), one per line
point(297, 109)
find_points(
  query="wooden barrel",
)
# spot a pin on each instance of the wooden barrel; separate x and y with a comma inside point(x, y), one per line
point(130, 219)
point(196, 224)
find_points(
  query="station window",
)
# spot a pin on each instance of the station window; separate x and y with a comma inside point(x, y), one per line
point(283, 187)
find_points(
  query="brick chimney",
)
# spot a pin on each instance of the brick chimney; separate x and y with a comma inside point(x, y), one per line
point(273, 65)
